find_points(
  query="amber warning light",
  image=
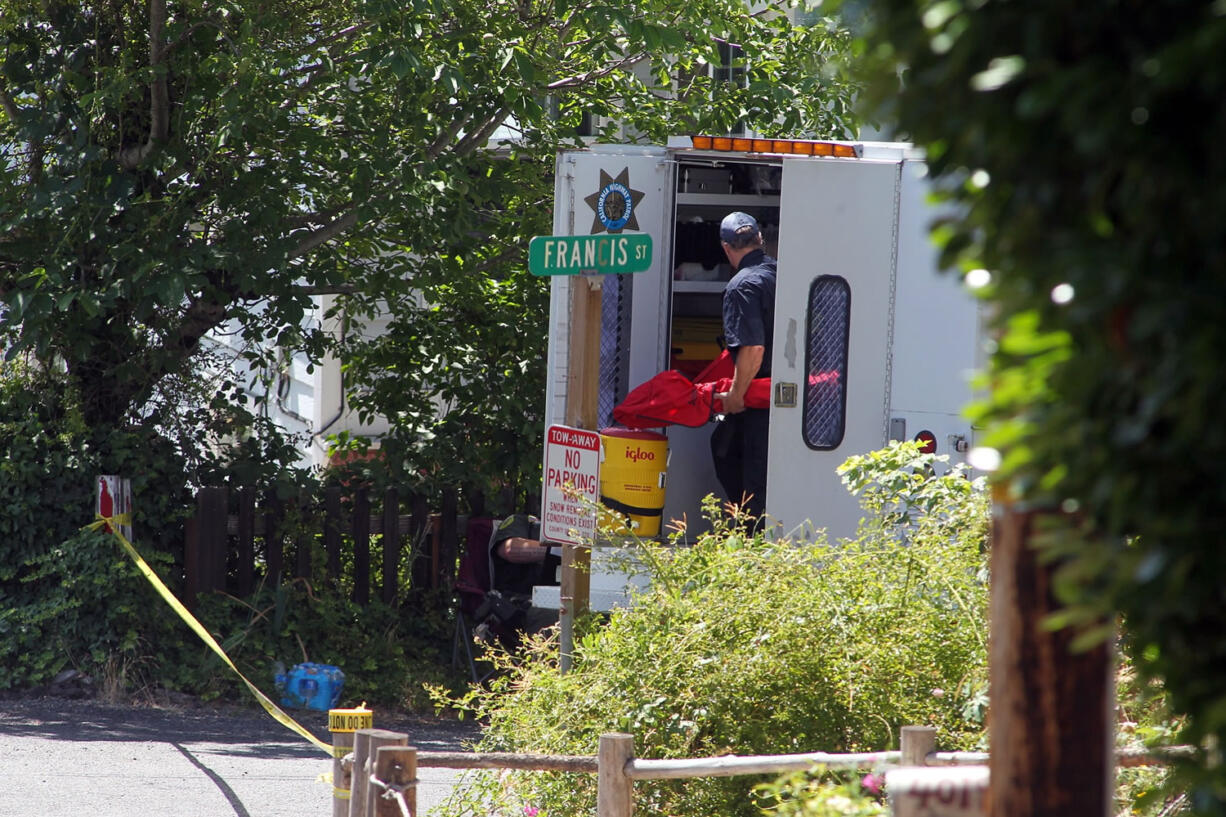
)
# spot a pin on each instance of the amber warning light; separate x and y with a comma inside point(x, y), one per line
point(794, 147)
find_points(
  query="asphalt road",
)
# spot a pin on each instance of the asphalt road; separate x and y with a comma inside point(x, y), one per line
point(69, 757)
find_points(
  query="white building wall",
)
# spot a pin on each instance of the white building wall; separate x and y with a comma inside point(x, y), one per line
point(307, 401)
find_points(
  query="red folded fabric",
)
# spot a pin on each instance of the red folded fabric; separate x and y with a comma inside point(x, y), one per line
point(670, 398)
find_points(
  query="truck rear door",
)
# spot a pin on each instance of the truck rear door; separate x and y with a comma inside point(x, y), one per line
point(834, 301)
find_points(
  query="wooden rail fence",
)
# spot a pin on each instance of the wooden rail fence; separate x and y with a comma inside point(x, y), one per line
point(383, 767)
point(238, 538)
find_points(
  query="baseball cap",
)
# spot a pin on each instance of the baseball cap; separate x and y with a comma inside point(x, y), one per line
point(738, 229)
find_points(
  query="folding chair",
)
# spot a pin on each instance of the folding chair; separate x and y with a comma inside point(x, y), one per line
point(472, 584)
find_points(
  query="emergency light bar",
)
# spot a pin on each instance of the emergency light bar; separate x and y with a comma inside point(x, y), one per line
point(797, 147)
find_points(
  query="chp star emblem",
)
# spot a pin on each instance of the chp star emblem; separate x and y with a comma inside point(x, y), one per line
point(615, 203)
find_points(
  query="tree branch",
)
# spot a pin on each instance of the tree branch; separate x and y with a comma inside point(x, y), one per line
point(446, 135)
point(324, 234)
point(159, 108)
point(186, 35)
point(9, 106)
point(302, 220)
point(575, 82)
point(201, 316)
point(480, 137)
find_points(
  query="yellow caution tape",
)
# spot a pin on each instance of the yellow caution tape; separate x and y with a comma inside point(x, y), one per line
point(112, 523)
point(338, 793)
point(117, 519)
point(350, 720)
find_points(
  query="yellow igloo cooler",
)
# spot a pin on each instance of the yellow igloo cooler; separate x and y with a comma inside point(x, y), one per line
point(633, 470)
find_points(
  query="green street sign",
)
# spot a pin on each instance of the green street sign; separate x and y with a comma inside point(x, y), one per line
point(601, 254)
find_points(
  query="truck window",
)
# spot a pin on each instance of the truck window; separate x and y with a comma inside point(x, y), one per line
point(825, 389)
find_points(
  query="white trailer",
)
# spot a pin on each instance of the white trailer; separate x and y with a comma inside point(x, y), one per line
point(871, 343)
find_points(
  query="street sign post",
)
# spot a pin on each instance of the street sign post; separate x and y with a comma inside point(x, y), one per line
point(610, 253)
point(568, 515)
point(601, 254)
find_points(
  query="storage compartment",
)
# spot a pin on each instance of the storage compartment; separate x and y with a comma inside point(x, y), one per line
point(706, 192)
point(696, 342)
point(699, 263)
point(706, 180)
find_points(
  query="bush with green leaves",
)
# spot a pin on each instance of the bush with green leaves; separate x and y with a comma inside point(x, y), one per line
point(68, 599)
point(822, 793)
point(754, 646)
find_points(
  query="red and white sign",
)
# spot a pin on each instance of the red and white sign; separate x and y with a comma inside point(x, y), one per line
point(572, 485)
point(113, 498)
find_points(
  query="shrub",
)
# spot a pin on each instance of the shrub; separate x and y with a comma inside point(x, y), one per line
point(751, 646)
point(69, 598)
point(820, 793)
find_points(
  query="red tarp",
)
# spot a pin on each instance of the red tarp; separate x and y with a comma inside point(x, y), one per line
point(671, 398)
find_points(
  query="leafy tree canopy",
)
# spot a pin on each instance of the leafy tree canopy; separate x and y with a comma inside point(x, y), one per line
point(175, 165)
point(1079, 143)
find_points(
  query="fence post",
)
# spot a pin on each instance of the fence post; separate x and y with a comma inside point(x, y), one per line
point(342, 782)
point(206, 546)
point(361, 547)
point(422, 559)
point(274, 548)
point(614, 790)
point(246, 541)
point(916, 743)
point(506, 501)
point(332, 531)
point(475, 498)
point(391, 545)
point(305, 536)
point(448, 539)
point(364, 797)
point(396, 766)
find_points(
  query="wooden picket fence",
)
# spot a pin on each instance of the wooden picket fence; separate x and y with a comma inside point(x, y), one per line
point(239, 539)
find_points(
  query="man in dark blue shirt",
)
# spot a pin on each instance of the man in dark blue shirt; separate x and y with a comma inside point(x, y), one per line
point(739, 443)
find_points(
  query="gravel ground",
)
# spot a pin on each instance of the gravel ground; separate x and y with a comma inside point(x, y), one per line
point(64, 757)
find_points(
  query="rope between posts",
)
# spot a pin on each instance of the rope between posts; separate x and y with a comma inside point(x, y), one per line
point(395, 791)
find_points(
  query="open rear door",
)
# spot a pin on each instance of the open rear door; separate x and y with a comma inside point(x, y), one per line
point(833, 326)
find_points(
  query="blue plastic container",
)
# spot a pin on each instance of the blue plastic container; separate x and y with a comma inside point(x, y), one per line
point(311, 686)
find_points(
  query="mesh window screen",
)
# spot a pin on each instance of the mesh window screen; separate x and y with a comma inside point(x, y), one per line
point(614, 349)
point(825, 400)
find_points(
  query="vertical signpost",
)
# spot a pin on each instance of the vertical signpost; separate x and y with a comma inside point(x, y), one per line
point(568, 516)
point(612, 253)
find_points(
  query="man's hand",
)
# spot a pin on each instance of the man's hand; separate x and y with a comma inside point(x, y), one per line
point(748, 361)
point(733, 404)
